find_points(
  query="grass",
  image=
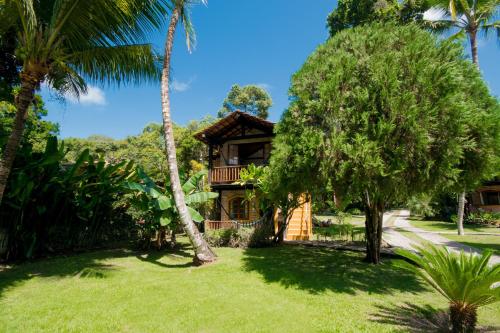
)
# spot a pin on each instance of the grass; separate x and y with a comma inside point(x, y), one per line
point(283, 289)
point(484, 242)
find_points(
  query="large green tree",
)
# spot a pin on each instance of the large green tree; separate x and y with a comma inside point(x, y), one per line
point(37, 130)
point(385, 112)
point(69, 43)
point(352, 13)
point(180, 13)
point(251, 99)
point(467, 18)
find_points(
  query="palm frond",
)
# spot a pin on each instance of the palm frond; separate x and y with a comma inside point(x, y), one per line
point(460, 277)
point(118, 64)
point(491, 26)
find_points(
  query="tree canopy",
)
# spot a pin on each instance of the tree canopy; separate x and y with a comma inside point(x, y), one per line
point(384, 112)
point(352, 13)
point(252, 99)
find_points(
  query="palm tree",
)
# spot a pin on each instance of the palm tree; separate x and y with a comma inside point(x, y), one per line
point(466, 281)
point(180, 11)
point(66, 44)
point(468, 17)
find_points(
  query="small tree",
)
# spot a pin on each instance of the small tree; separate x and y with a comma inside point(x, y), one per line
point(271, 192)
point(386, 112)
point(252, 99)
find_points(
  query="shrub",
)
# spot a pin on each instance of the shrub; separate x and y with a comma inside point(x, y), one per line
point(51, 207)
point(421, 205)
point(260, 236)
point(467, 281)
point(232, 237)
point(483, 217)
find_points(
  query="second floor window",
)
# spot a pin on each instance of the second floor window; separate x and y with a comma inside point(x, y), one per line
point(238, 209)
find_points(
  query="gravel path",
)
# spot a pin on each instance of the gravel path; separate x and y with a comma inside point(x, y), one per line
point(395, 238)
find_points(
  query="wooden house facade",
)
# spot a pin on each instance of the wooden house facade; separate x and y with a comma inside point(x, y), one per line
point(235, 142)
point(487, 197)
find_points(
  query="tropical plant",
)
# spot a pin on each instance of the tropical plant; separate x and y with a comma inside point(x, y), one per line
point(466, 18)
point(466, 281)
point(251, 99)
point(180, 11)
point(157, 204)
point(376, 136)
point(271, 192)
point(66, 44)
point(52, 206)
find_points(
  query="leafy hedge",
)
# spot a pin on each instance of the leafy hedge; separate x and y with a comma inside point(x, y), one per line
point(52, 207)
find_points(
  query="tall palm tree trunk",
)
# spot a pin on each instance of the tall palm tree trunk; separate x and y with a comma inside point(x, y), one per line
point(203, 253)
point(461, 196)
point(23, 101)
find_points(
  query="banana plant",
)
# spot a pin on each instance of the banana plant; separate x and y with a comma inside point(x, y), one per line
point(157, 202)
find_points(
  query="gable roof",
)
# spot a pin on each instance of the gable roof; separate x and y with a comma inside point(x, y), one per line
point(233, 125)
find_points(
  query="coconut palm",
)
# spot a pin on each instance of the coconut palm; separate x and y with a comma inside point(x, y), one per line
point(69, 43)
point(180, 12)
point(467, 281)
point(468, 17)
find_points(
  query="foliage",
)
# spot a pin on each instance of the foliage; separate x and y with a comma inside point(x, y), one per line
point(467, 17)
point(51, 206)
point(37, 130)
point(272, 192)
point(352, 13)
point(232, 237)
point(9, 71)
point(466, 281)
point(484, 217)
point(147, 149)
point(54, 39)
point(156, 204)
point(401, 114)
point(252, 99)
point(421, 205)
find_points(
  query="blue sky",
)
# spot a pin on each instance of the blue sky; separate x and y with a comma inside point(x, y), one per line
point(239, 41)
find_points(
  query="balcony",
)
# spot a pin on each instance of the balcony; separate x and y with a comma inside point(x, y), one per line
point(226, 174)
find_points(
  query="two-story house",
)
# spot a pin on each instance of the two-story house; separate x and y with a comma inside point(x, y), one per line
point(235, 142)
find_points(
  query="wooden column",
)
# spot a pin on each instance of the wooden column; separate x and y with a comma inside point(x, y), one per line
point(210, 162)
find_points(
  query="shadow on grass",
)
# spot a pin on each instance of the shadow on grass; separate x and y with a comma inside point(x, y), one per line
point(416, 318)
point(180, 251)
point(412, 317)
point(319, 269)
point(86, 265)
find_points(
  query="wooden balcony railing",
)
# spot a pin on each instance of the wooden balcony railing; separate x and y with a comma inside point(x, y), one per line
point(216, 225)
point(226, 174)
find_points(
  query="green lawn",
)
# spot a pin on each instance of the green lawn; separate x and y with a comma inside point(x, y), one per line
point(484, 242)
point(284, 289)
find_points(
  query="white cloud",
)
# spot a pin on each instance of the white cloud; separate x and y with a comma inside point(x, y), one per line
point(434, 14)
point(179, 86)
point(94, 96)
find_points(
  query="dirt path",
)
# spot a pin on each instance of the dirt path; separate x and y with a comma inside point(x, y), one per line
point(395, 238)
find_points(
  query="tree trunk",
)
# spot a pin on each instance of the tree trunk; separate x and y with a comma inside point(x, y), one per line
point(203, 253)
point(473, 46)
point(374, 212)
point(461, 197)
point(23, 101)
point(460, 214)
point(463, 318)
